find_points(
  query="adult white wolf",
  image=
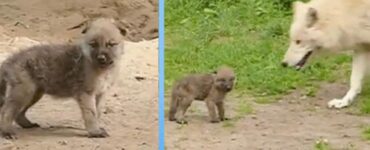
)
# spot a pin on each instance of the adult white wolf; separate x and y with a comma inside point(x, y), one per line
point(331, 25)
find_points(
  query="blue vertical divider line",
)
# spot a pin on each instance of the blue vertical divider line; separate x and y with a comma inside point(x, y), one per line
point(161, 129)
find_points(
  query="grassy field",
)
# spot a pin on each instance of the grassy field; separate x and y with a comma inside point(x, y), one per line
point(249, 35)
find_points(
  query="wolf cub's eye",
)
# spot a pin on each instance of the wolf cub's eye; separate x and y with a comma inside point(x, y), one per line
point(298, 41)
point(221, 79)
point(111, 44)
point(93, 44)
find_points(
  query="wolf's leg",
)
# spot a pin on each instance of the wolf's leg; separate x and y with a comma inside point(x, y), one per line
point(87, 103)
point(183, 106)
point(21, 119)
point(357, 75)
point(17, 97)
point(212, 111)
point(98, 99)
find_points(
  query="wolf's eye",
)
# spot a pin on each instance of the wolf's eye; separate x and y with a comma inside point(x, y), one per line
point(111, 44)
point(93, 44)
point(221, 80)
point(298, 41)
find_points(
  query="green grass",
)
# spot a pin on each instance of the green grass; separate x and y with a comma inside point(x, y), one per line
point(243, 109)
point(366, 133)
point(228, 124)
point(249, 35)
point(321, 145)
point(363, 101)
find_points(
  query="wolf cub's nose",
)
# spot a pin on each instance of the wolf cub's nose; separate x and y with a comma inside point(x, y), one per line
point(284, 64)
point(102, 58)
point(228, 88)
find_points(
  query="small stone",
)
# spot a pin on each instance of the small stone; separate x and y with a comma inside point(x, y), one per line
point(108, 110)
point(346, 136)
point(62, 142)
point(233, 137)
point(304, 97)
point(139, 78)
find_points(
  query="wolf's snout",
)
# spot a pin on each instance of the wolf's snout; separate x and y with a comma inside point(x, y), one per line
point(284, 64)
point(229, 88)
point(103, 59)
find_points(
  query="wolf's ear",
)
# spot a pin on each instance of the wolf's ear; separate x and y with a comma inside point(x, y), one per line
point(121, 27)
point(85, 24)
point(123, 31)
point(311, 17)
point(297, 5)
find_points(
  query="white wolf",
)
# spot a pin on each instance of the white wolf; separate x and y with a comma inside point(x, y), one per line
point(331, 25)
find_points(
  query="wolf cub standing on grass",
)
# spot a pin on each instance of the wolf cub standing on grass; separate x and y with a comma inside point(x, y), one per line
point(211, 88)
point(77, 70)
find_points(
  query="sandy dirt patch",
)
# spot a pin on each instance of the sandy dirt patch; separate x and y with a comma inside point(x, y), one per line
point(50, 19)
point(293, 123)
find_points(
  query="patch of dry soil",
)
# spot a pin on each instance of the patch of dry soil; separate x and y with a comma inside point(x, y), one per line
point(293, 123)
point(50, 19)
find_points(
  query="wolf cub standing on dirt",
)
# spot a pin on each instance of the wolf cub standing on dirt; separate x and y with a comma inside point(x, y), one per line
point(77, 70)
point(211, 88)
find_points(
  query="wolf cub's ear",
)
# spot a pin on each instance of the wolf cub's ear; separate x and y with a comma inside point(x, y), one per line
point(311, 17)
point(121, 27)
point(85, 24)
point(123, 31)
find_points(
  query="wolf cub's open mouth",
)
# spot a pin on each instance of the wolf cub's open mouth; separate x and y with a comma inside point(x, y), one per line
point(303, 61)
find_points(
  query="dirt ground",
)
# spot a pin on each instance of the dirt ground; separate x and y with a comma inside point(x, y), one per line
point(50, 19)
point(294, 123)
point(130, 109)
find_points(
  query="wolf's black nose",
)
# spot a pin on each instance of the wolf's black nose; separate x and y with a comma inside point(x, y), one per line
point(102, 59)
point(284, 64)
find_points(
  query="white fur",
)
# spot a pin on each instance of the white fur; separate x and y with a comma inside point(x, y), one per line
point(86, 50)
point(341, 25)
point(357, 75)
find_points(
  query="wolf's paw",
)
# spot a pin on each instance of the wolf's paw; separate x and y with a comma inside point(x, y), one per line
point(101, 133)
point(182, 121)
point(28, 126)
point(338, 103)
point(214, 121)
point(8, 135)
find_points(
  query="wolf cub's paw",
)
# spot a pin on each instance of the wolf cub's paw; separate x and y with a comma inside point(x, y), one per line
point(182, 121)
point(99, 134)
point(171, 119)
point(338, 103)
point(10, 135)
point(28, 126)
point(214, 121)
point(224, 119)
